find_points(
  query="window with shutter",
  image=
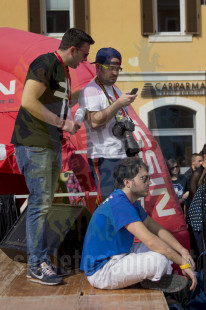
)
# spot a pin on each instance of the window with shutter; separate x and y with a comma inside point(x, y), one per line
point(58, 16)
point(79, 14)
point(192, 9)
point(35, 24)
point(148, 17)
point(170, 20)
point(168, 16)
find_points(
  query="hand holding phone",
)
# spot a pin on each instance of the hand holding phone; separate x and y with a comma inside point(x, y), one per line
point(133, 91)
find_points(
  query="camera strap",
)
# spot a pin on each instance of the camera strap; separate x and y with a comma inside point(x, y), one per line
point(109, 98)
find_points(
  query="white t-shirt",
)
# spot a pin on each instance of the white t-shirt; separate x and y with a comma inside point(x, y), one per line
point(101, 142)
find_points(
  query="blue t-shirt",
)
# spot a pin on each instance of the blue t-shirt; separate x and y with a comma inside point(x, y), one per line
point(106, 235)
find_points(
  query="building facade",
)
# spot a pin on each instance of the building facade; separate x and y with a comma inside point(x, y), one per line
point(162, 43)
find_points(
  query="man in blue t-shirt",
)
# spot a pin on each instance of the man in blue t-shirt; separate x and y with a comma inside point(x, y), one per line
point(111, 260)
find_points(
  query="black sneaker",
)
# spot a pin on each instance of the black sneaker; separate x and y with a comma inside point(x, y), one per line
point(44, 274)
point(168, 283)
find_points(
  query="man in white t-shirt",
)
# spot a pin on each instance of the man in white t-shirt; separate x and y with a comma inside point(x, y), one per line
point(105, 106)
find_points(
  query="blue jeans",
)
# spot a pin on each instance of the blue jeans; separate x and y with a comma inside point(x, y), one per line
point(102, 172)
point(41, 168)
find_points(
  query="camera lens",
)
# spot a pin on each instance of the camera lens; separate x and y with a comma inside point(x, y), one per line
point(131, 145)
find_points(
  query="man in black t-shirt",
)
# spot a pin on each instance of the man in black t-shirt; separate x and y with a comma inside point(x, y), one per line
point(38, 131)
point(196, 162)
point(194, 182)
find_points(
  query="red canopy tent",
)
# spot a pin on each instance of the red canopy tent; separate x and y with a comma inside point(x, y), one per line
point(17, 50)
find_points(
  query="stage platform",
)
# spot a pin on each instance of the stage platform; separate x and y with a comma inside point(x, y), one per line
point(18, 293)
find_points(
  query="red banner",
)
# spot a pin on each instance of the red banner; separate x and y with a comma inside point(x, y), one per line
point(162, 203)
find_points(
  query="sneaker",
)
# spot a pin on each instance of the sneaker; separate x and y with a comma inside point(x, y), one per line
point(44, 274)
point(61, 271)
point(168, 283)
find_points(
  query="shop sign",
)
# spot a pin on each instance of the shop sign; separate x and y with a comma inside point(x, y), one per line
point(174, 89)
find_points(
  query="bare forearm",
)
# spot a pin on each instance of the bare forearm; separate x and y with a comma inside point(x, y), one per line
point(42, 113)
point(168, 238)
point(33, 90)
point(155, 239)
point(160, 246)
point(101, 118)
point(164, 235)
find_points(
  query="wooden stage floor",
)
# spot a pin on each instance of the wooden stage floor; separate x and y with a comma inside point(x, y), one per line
point(18, 293)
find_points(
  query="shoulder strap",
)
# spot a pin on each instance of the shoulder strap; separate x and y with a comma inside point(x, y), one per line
point(98, 82)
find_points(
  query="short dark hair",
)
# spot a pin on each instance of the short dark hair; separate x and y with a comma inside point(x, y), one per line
point(75, 37)
point(203, 152)
point(194, 155)
point(128, 168)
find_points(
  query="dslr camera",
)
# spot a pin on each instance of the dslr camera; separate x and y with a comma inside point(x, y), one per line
point(124, 129)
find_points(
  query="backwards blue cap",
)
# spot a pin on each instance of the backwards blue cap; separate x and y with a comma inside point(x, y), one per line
point(104, 56)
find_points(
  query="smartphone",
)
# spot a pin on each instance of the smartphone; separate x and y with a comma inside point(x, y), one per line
point(134, 91)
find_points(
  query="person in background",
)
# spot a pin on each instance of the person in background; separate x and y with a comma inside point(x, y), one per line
point(197, 174)
point(196, 162)
point(194, 218)
point(111, 259)
point(194, 214)
point(37, 137)
point(105, 106)
point(178, 181)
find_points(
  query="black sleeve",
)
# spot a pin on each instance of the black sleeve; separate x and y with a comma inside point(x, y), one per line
point(41, 70)
point(188, 175)
point(194, 183)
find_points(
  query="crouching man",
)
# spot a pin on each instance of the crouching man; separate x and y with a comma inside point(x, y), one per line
point(110, 260)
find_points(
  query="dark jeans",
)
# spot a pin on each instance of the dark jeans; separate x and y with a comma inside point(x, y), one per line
point(41, 168)
point(102, 172)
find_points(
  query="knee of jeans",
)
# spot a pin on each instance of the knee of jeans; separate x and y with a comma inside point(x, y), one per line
point(40, 202)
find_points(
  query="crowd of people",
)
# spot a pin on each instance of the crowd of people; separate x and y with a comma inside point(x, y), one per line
point(190, 190)
point(110, 259)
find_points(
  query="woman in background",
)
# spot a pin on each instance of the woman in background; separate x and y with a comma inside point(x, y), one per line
point(178, 181)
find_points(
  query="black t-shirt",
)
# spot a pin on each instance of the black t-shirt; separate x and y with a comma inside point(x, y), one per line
point(179, 185)
point(188, 175)
point(30, 131)
point(194, 181)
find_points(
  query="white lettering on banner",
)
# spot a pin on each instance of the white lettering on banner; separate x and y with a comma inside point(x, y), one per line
point(149, 155)
point(163, 202)
point(157, 181)
point(153, 164)
point(10, 91)
point(2, 152)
